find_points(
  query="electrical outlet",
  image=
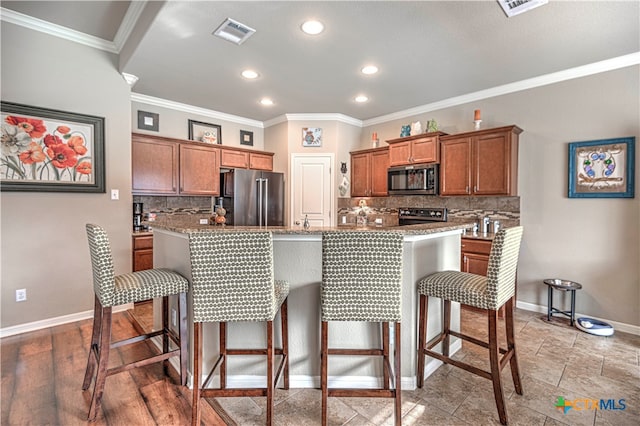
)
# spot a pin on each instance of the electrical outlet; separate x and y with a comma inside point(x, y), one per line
point(115, 194)
point(204, 221)
point(174, 317)
point(21, 295)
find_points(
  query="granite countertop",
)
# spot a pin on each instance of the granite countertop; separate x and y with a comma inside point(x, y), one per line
point(478, 236)
point(422, 229)
point(141, 233)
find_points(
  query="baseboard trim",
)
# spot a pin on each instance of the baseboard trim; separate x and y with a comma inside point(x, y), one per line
point(619, 326)
point(52, 322)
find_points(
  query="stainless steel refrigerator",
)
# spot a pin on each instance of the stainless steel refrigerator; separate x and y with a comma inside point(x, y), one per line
point(253, 197)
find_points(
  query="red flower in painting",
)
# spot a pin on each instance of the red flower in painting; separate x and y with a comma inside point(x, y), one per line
point(35, 128)
point(62, 156)
point(33, 154)
point(77, 144)
point(52, 140)
point(63, 129)
point(84, 168)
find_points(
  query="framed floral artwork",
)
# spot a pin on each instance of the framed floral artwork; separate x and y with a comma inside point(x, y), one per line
point(205, 132)
point(602, 168)
point(46, 150)
point(311, 136)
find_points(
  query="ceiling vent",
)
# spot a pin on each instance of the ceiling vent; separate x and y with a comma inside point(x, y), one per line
point(234, 31)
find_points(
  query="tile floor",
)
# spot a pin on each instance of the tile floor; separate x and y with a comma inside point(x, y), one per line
point(555, 360)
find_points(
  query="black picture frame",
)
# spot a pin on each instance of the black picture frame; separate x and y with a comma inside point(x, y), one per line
point(148, 121)
point(52, 150)
point(197, 130)
point(246, 137)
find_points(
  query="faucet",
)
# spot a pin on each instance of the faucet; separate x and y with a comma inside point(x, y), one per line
point(485, 224)
point(305, 225)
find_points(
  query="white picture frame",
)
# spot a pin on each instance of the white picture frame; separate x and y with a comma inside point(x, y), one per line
point(311, 136)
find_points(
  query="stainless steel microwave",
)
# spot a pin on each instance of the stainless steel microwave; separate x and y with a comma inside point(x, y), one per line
point(418, 179)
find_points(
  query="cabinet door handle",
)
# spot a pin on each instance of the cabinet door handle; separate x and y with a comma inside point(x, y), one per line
point(475, 188)
point(464, 259)
point(466, 189)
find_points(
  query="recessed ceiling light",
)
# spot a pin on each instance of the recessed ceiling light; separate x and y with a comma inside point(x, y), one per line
point(312, 27)
point(370, 69)
point(266, 101)
point(361, 98)
point(250, 74)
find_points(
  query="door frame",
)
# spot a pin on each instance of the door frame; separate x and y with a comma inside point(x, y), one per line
point(333, 216)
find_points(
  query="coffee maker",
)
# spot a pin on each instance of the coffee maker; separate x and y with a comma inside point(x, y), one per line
point(137, 216)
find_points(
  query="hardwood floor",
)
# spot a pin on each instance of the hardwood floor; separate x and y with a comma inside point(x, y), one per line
point(42, 374)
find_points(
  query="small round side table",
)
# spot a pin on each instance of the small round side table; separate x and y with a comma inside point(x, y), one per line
point(563, 285)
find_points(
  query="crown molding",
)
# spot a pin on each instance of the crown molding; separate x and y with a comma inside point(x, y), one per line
point(177, 106)
point(543, 80)
point(128, 23)
point(277, 120)
point(55, 30)
point(325, 117)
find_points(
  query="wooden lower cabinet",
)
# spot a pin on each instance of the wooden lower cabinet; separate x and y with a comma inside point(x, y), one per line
point(142, 252)
point(475, 260)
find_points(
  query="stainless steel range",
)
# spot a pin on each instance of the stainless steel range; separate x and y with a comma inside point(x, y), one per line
point(414, 216)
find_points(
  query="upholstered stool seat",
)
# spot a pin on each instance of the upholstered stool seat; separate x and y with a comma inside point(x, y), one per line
point(362, 281)
point(489, 293)
point(233, 280)
point(114, 290)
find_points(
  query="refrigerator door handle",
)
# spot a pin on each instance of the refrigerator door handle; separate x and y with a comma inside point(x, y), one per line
point(265, 182)
point(259, 182)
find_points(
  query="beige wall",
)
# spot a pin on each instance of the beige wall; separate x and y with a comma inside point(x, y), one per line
point(44, 245)
point(592, 241)
point(175, 124)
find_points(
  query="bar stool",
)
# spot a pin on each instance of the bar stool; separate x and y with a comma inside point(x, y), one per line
point(113, 290)
point(562, 285)
point(488, 293)
point(232, 278)
point(362, 281)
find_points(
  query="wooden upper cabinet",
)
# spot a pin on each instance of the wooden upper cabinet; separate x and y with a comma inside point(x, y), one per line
point(164, 166)
point(238, 158)
point(154, 166)
point(259, 161)
point(455, 167)
point(369, 172)
point(484, 162)
point(423, 148)
point(234, 159)
point(199, 170)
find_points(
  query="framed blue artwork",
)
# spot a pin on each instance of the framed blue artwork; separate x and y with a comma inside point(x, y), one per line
point(602, 168)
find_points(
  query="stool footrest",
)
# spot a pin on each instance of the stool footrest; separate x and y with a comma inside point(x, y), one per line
point(364, 352)
point(232, 392)
point(366, 393)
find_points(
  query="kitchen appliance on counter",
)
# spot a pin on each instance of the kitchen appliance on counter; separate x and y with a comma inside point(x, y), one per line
point(416, 216)
point(253, 197)
point(137, 217)
point(418, 179)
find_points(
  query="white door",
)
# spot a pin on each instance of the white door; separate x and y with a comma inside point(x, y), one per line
point(311, 189)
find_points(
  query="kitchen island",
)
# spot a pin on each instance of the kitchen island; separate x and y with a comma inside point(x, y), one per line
point(427, 248)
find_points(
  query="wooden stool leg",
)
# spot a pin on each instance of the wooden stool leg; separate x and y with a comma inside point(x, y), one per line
point(270, 384)
point(511, 346)
point(422, 337)
point(494, 361)
point(324, 353)
point(197, 365)
point(92, 360)
point(165, 332)
point(104, 346)
point(223, 353)
point(184, 338)
point(398, 376)
point(385, 355)
point(284, 323)
point(446, 327)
